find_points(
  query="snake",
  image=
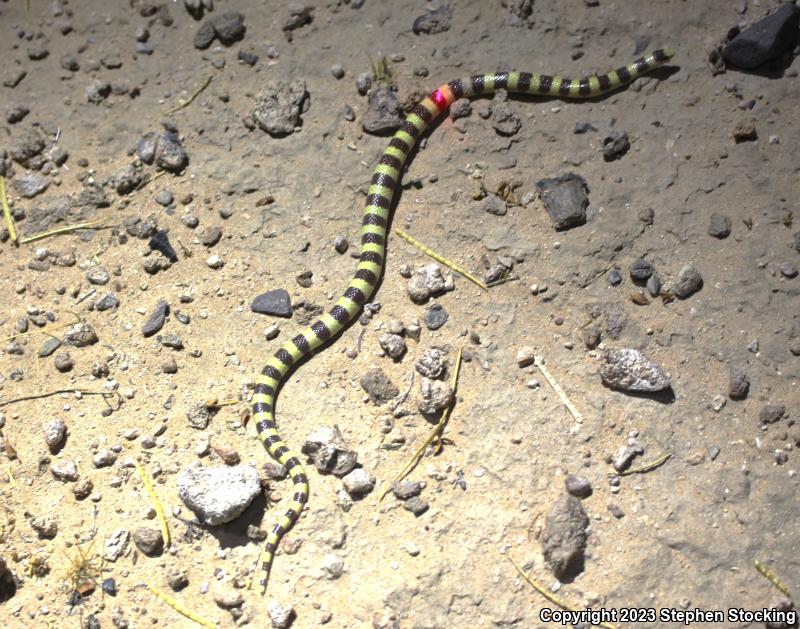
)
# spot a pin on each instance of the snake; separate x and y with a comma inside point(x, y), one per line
point(376, 216)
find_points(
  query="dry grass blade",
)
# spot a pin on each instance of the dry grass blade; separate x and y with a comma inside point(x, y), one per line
point(181, 609)
point(539, 362)
point(61, 230)
point(550, 597)
point(434, 436)
point(7, 212)
point(770, 576)
point(439, 258)
point(197, 93)
point(650, 466)
point(162, 520)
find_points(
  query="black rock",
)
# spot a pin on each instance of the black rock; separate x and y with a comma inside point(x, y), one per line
point(384, 114)
point(436, 317)
point(229, 27)
point(615, 145)
point(771, 413)
point(719, 226)
point(378, 386)
point(641, 270)
point(110, 586)
point(583, 127)
point(156, 319)
point(565, 198)
point(578, 486)
point(205, 35)
point(49, 346)
point(416, 505)
point(160, 242)
point(564, 539)
point(169, 153)
point(766, 39)
point(433, 22)
point(250, 58)
point(107, 303)
point(739, 384)
point(275, 302)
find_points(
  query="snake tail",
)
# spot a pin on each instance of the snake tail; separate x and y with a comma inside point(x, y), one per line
point(384, 183)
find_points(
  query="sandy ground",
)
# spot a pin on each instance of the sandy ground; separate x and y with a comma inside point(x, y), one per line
point(687, 533)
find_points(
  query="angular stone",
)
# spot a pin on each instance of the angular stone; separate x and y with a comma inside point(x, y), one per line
point(627, 369)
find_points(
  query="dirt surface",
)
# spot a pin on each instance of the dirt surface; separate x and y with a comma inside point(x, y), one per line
point(683, 535)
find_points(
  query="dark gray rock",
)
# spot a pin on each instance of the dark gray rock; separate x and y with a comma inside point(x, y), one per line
point(55, 434)
point(330, 454)
point(765, 40)
point(493, 205)
point(63, 362)
point(48, 347)
point(279, 105)
point(204, 35)
point(796, 241)
point(738, 384)
point(97, 91)
point(615, 145)
point(98, 276)
point(433, 22)
point(275, 302)
point(771, 413)
point(654, 285)
point(788, 269)
point(156, 319)
point(165, 198)
point(378, 386)
point(505, 120)
point(627, 369)
point(160, 242)
point(149, 540)
point(564, 539)
point(641, 270)
point(229, 27)
point(146, 147)
point(615, 277)
point(140, 227)
point(435, 317)
point(108, 302)
point(461, 108)
point(565, 198)
point(519, 12)
point(218, 494)
point(384, 112)
point(211, 236)
point(719, 226)
point(16, 113)
point(406, 489)
point(578, 486)
point(29, 186)
point(416, 505)
point(170, 154)
point(688, 282)
point(299, 16)
point(80, 335)
point(127, 179)
point(28, 146)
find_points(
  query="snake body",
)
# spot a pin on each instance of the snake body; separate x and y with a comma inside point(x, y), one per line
point(384, 183)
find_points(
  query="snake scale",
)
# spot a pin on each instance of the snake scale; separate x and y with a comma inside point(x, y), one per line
point(380, 195)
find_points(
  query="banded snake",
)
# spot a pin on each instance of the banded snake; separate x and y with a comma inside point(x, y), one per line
point(377, 211)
